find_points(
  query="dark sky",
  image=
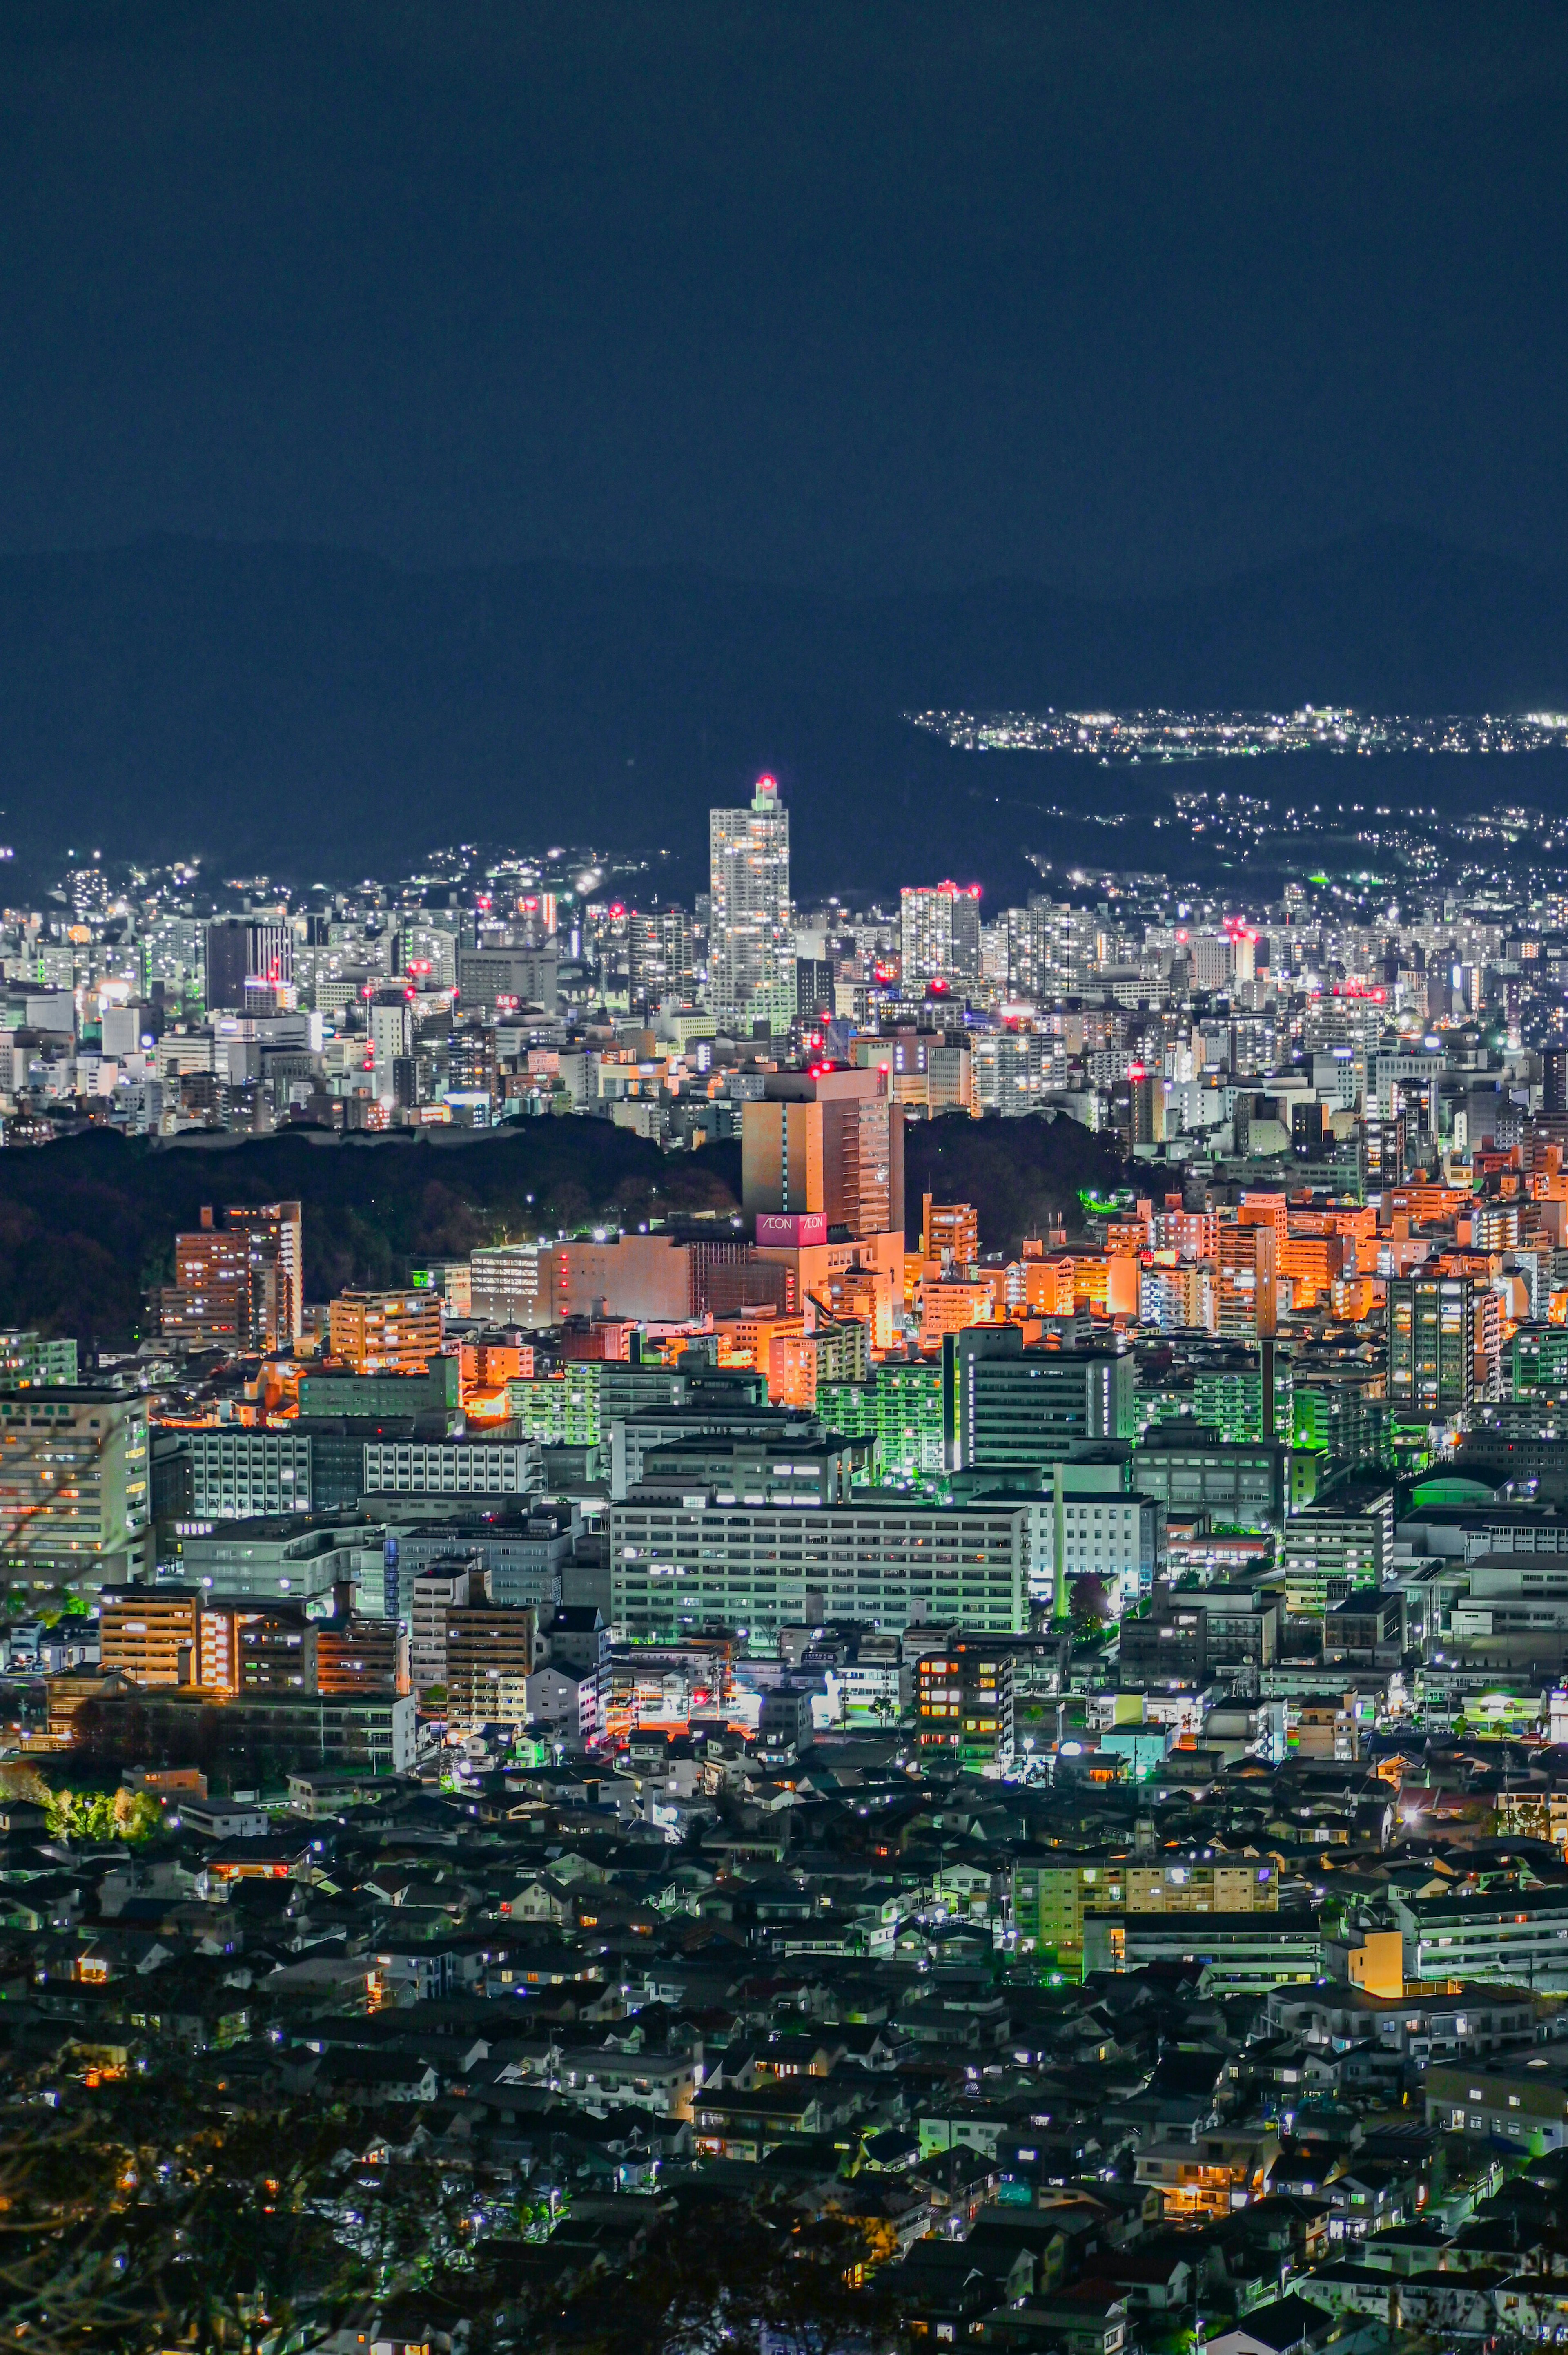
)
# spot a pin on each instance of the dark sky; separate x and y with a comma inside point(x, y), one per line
point(918, 294)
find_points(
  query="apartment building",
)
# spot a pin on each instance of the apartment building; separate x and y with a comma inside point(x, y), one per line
point(73, 1484)
point(385, 1332)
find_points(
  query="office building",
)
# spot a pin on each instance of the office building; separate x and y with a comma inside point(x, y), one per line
point(1191, 1471)
point(1107, 1535)
point(751, 1471)
point(687, 1567)
point(1006, 1408)
point(453, 1468)
point(512, 1283)
point(302, 1558)
point(239, 1474)
point(515, 1555)
point(1329, 1552)
point(827, 1145)
point(437, 1390)
point(751, 942)
point(249, 966)
point(498, 979)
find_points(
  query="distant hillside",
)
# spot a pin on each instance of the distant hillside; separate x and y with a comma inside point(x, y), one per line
point(87, 1226)
point(294, 708)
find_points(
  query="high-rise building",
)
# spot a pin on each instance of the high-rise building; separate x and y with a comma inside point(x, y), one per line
point(828, 1144)
point(1431, 1345)
point(751, 950)
point(1554, 1083)
point(940, 934)
point(209, 1305)
point(816, 986)
point(490, 1658)
point(502, 976)
point(1246, 1259)
point(659, 955)
point(950, 1231)
point(249, 965)
point(239, 1286)
point(275, 1236)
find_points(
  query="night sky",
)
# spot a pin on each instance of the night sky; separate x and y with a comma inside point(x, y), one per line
point(1106, 296)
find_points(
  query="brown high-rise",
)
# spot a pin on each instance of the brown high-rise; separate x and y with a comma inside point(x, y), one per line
point(828, 1144)
point(238, 1285)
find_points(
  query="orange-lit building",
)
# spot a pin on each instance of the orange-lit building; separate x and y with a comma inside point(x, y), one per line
point(949, 1233)
point(951, 1304)
point(153, 1638)
point(238, 1284)
point(1312, 1263)
point(1042, 1286)
point(1108, 1286)
point(387, 1332)
point(1246, 1266)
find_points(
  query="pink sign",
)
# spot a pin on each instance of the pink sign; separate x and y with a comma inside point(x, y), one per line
point(791, 1228)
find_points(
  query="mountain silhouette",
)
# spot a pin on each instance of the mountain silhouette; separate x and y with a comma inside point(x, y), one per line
point(308, 711)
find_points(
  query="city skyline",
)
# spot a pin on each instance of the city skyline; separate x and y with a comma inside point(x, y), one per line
point(783, 1180)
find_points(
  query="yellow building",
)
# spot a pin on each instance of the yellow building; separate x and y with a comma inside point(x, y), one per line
point(387, 1332)
point(1243, 1885)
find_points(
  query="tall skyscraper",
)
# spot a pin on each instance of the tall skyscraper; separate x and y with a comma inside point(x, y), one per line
point(941, 933)
point(827, 1143)
point(659, 955)
point(751, 945)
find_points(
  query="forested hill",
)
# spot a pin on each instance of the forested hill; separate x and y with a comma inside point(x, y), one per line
point(88, 1225)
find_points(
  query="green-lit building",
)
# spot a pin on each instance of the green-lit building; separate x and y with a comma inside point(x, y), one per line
point(1229, 1399)
point(27, 1359)
point(576, 1407)
point(1340, 1421)
point(901, 1408)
